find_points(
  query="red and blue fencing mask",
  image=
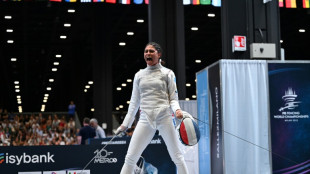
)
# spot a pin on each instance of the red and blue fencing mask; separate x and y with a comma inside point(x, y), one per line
point(188, 130)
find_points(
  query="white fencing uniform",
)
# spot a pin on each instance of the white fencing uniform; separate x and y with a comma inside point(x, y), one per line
point(155, 92)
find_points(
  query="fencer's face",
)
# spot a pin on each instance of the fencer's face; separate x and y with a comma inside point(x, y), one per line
point(151, 55)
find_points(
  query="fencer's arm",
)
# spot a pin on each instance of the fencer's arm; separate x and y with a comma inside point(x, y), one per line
point(134, 104)
point(173, 95)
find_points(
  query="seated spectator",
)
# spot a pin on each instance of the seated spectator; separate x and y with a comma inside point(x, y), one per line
point(24, 130)
point(55, 122)
point(71, 125)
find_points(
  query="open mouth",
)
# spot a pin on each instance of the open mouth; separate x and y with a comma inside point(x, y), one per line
point(148, 59)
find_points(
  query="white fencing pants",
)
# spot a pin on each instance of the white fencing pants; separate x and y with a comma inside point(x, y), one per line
point(143, 135)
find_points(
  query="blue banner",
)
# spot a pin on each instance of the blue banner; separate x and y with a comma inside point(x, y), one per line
point(203, 115)
point(289, 93)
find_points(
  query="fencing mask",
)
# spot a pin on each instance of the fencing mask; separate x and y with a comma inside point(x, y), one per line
point(188, 130)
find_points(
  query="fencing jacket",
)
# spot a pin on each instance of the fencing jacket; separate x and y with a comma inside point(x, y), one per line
point(154, 91)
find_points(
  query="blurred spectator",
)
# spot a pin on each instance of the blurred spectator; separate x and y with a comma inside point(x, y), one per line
point(25, 130)
point(71, 109)
point(55, 122)
point(99, 131)
point(85, 132)
point(71, 125)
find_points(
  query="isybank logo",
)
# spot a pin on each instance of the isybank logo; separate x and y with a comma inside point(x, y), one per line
point(26, 159)
point(1, 158)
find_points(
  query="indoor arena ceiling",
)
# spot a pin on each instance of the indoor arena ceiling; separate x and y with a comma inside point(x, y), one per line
point(36, 30)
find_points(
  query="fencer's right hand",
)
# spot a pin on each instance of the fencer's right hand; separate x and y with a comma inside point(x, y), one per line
point(120, 129)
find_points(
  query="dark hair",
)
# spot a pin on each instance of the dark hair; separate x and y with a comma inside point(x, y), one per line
point(86, 120)
point(156, 46)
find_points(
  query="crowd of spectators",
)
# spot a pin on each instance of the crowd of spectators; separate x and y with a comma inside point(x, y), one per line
point(32, 130)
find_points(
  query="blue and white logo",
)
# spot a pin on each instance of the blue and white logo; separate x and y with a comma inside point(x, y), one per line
point(289, 99)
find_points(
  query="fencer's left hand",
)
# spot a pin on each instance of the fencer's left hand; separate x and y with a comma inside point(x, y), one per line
point(179, 114)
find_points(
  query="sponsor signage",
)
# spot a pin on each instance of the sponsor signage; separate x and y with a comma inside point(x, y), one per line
point(54, 172)
point(25, 158)
point(79, 172)
point(72, 159)
point(289, 94)
point(216, 114)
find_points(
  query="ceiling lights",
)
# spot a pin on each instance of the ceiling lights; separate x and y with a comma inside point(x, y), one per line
point(19, 101)
point(10, 41)
point(194, 28)
point(129, 33)
point(56, 63)
point(71, 11)
point(88, 85)
point(42, 108)
point(140, 20)
point(7, 17)
point(20, 109)
point(67, 25)
point(198, 61)
point(211, 15)
point(122, 44)
point(302, 30)
point(13, 59)
point(9, 30)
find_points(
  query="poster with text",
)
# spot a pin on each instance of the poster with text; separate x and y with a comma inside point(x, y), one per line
point(289, 93)
point(217, 160)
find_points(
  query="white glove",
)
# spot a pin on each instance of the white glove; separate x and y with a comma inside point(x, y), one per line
point(186, 114)
point(120, 129)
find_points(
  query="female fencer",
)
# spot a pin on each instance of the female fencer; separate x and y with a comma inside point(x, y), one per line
point(155, 92)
